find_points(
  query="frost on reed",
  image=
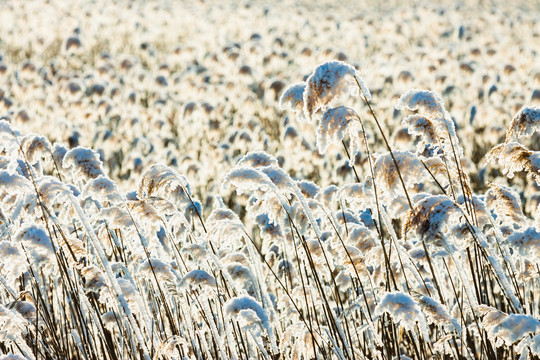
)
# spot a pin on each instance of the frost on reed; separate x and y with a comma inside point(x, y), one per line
point(251, 315)
point(435, 312)
point(14, 262)
point(526, 242)
point(84, 162)
point(13, 329)
point(12, 357)
point(34, 238)
point(507, 328)
point(429, 216)
point(161, 180)
point(514, 327)
point(334, 124)
point(505, 203)
point(35, 147)
point(524, 123)
point(198, 278)
point(14, 183)
point(330, 80)
point(404, 310)
point(246, 179)
point(103, 189)
point(425, 128)
point(514, 157)
point(436, 122)
point(117, 241)
point(293, 98)
point(386, 175)
point(257, 159)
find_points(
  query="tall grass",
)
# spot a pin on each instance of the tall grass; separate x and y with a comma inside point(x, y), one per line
point(158, 227)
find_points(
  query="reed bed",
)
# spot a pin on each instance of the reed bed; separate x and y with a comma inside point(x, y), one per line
point(196, 180)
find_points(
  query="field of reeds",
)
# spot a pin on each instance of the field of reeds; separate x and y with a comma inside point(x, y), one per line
point(291, 180)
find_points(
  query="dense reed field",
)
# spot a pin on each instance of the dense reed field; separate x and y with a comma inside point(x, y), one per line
point(247, 180)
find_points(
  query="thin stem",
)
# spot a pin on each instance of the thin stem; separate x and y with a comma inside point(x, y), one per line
point(387, 146)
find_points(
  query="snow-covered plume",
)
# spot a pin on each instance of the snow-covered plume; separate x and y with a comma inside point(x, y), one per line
point(293, 98)
point(199, 278)
point(513, 157)
point(225, 229)
point(279, 178)
point(13, 329)
point(35, 147)
point(162, 269)
point(34, 238)
point(163, 181)
point(505, 202)
point(515, 326)
point(116, 217)
point(84, 162)
point(246, 179)
point(14, 183)
point(330, 80)
point(387, 176)
point(335, 123)
point(431, 106)
point(526, 242)
point(12, 260)
point(403, 310)
point(103, 189)
point(428, 217)
point(51, 190)
point(236, 306)
point(507, 328)
point(435, 312)
point(421, 126)
point(257, 159)
point(524, 123)
point(355, 194)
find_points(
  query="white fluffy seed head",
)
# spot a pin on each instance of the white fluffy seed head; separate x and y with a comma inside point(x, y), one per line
point(156, 266)
point(428, 217)
point(403, 309)
point(421, 126)
point(14, 183)
point(84, 162)
point(387, 176)
point(506, 204)
point(116, 217)
point(514, 327)
point(328, 81)
point(257, 159)
point(246, 180)
point(13, 262)
point(335, 123)
point(198, 278)
point(163, 181)
point(36, 147)
point(234, 306)
point(430, 105)
point(293, 98)
point(526, 242)
point(103, 189)
point(279, 178)
point(36, 238)
point(513, 157)
point(524, 123)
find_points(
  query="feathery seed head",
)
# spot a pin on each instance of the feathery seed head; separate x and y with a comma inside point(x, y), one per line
point(330, 80)
point(524, 123)
point(84, 162)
